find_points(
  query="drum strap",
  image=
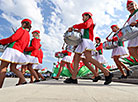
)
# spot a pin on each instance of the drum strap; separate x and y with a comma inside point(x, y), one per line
point(131, 16)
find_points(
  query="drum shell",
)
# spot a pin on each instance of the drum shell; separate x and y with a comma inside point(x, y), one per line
point(72, 38)
point(128, 33)
point(70, 48)
point(110, 45)
point(72, 42)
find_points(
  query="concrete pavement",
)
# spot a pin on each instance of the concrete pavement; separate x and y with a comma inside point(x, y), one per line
point(56, 91)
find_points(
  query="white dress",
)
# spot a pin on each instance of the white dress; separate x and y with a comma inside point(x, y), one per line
point(119, 51)
point(32, 59)
point(37, 66)
point(99, 57)
point(68, 59)
point(86, 44)
point(133, 42)
point(12, 55)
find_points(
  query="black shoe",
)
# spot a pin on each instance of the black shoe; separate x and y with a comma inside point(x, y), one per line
point(21, 83)
point(108, 79)
point(55, 78)
point(70, 80)
point(43, 79)
point(129, 72)
point(97, 78)
point(36, 81)
point(24, 83)
point(122, 77)
point(17, 84)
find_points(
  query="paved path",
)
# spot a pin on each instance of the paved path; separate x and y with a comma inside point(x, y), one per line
point(11, 82)
point(57, 91)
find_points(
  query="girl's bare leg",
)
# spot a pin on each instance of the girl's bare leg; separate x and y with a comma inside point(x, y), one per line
point(89, 66)
point(32, 71)
point(17, 72)
point(60, 69)
point(133, 52)
point(69, 68)
point(96, 63)
point(40, 75)
point(116, 60)
point(77, 59)
point(3, 69)
point(23, 69)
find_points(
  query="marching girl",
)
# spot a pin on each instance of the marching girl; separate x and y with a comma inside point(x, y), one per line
point(86, 47)
point(133, 21)
point(65, 60)
point(39, 66)
point(31, 53)
point(13, 54)
point(99, 55)
point(118, 52)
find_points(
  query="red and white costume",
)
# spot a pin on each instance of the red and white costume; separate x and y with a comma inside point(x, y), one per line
point(120, 49)
point(87, 43)
point(33, 50)
point(40, 58)
point(132, 18)
point(17, 43)
point(68, 58)
point(99, 57)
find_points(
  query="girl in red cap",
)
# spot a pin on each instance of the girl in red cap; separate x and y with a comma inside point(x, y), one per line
point(118, 52)
point(99, 55)
point(133, 21)
point(13, 54)
point(86, 47)
point(67, 59)
point(39, 66)
point(31, 53)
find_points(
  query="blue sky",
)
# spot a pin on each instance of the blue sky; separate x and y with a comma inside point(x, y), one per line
point(53, 17)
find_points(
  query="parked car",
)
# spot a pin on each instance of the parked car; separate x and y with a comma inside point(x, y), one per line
point(27, 75)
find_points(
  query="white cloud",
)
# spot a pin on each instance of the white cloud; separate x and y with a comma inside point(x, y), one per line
point(72, 10)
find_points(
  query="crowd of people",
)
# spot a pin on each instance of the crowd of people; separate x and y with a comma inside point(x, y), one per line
point(28, 53)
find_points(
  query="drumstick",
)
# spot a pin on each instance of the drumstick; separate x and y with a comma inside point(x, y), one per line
point(63, 45)
point(13, 29)
point(109, 34)
point(124, 24)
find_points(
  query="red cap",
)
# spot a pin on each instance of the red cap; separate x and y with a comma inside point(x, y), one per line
point(37, 31)
point(113, 26)
point(26, 20)
point(129, 1)
point(97, 38)
point(87, 13)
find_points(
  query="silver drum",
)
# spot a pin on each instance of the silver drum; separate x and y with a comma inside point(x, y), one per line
point(128, 33)
point(110, 45)
point(70, 48)
point(73, 38)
